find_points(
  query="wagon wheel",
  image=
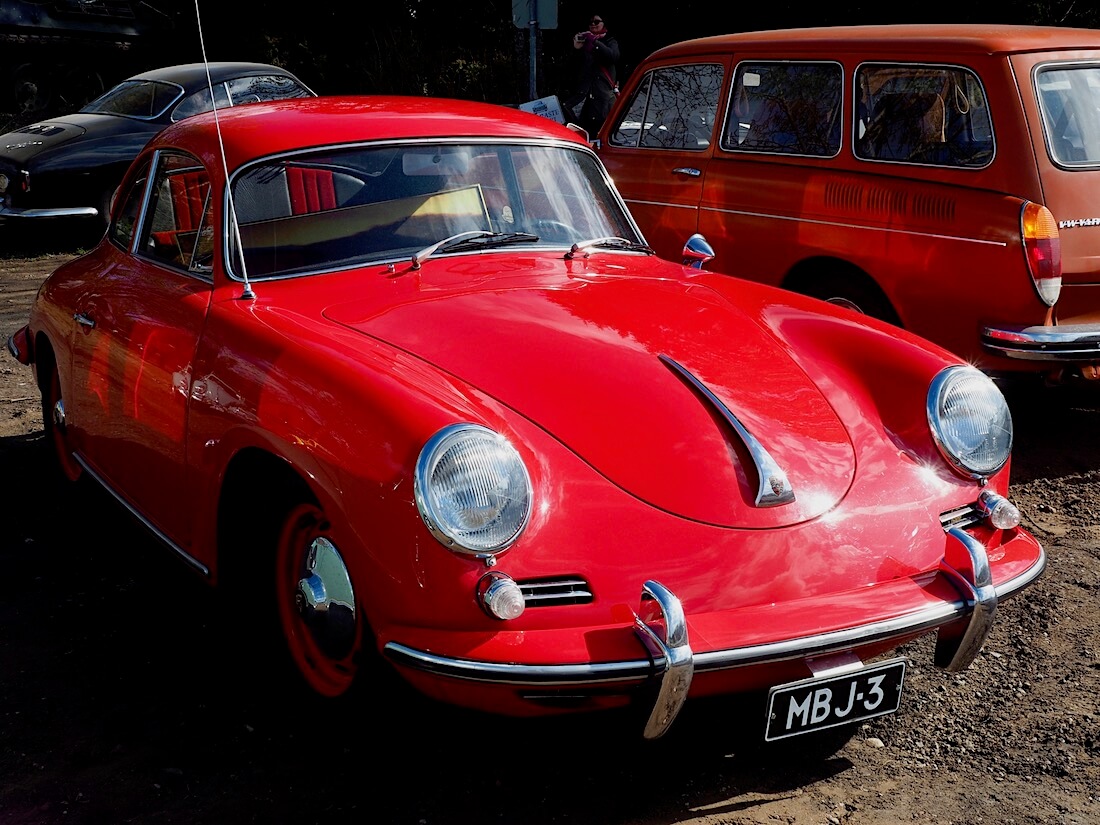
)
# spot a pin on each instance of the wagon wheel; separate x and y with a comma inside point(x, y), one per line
point(852, 293)
point(56, 427)
point(318, 613)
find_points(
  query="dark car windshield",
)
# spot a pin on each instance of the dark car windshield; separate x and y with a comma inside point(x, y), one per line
point(336, 208)
point(146, 99)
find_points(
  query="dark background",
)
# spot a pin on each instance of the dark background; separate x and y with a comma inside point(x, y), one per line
point(54, 54)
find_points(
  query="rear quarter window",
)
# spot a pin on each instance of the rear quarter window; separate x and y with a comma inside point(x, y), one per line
point(1069, 98)
point(785, 108)
point(924, 114)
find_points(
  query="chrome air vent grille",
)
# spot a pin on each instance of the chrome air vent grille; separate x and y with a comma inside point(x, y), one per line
point(555, 592)
point(961, 517)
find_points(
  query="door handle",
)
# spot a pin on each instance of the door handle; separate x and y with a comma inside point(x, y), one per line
point(687, 170)
point(83, 320)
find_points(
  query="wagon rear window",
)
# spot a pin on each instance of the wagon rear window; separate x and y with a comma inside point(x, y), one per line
point(1069, 97)
point(931, 115)
point(785, 108)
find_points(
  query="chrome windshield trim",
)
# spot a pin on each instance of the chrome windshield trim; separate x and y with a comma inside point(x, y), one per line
point(636, 671)
point(175, 548)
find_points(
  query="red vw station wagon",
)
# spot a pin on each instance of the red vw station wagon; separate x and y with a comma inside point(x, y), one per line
point(943, 178)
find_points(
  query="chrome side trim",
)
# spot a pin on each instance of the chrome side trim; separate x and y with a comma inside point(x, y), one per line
point(772, 488)
point(1045, 343)
point(13, 348)
point(175, 548)
point(878, 230)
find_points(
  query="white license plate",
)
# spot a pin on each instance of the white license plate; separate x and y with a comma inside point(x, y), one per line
point(819, 703)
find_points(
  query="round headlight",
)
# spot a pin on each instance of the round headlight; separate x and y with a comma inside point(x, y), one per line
point(970, 421)
point(472, 489)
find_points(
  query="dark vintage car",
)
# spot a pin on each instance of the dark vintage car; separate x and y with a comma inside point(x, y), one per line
point(410, 384)
point(70, 166)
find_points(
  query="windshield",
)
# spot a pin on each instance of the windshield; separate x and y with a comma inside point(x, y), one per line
point(1069, 97)
point(338, 208)
point(145, 99)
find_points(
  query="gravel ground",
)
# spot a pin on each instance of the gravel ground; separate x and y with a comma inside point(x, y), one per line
point(119, 702)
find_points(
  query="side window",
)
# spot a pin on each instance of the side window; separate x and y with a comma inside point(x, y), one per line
point(785, 108)
point(932, 115)
point(673, 108)
point(1069, 98)
point(177, 230)
point(126, 217)
point(199, 102)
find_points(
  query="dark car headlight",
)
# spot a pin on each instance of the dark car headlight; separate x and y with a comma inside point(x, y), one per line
point(472, 489)
point(970, 421)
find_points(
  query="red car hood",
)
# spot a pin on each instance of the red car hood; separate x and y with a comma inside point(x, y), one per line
point(582, 359)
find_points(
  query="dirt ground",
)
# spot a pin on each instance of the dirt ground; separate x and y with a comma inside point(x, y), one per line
point(119, 702)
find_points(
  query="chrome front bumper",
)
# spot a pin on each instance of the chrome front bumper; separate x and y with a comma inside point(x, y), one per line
point(661, 627)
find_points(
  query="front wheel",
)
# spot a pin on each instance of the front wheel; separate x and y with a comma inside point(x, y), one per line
point(57, 431)
point(320, 618)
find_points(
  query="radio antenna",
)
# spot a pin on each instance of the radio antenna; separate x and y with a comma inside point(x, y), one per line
point(247, 293)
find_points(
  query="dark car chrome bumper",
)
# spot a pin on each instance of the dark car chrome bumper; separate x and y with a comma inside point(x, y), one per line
point(1064, 343)
point(662, 629)
point(15, 213)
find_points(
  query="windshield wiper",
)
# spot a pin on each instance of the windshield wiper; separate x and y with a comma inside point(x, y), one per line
point(610, 242)
point(476, 239)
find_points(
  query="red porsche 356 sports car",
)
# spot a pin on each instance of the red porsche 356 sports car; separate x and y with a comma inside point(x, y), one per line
point(404, 372)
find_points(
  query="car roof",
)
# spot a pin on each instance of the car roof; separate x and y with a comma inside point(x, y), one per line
point(262, 129)
point(883, 39)
point(190, 75)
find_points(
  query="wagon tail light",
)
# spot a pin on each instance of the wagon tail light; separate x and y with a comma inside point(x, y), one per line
point(1043, 249)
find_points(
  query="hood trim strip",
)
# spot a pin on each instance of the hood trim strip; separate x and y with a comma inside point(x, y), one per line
point(773, 488)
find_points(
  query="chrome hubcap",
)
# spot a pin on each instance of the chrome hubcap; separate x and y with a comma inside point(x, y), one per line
point(326, 601)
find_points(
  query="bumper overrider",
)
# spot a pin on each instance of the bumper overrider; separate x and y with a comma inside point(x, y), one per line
point(669, 661)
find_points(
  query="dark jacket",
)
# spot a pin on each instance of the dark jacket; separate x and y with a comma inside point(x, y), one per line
point(598, 83)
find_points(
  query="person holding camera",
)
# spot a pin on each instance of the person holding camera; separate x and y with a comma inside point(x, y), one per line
point(589, 104)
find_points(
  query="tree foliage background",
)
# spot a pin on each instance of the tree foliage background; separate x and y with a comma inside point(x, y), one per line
point(474, 51)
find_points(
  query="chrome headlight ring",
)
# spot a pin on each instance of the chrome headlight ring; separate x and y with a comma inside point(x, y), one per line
point(472, 490)
point(970, 421)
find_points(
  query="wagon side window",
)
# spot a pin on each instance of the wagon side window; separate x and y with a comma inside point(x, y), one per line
point(177, 231)
point(672, 108)
point(1069, 98)
point(925, 114)
point(785, 108)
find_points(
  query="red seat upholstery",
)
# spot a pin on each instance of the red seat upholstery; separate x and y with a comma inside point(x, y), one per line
point(311, 190)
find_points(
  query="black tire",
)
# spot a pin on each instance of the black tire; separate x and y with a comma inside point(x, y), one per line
point(853, 291)
point(67, 470)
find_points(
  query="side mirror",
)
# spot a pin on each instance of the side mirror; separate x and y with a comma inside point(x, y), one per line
point(697, 252)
